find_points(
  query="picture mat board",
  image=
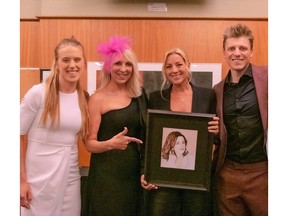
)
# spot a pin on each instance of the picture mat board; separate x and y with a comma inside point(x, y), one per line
point(198, 179)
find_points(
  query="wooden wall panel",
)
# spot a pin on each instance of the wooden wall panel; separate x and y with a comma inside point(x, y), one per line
point(200, 38)
point(29, 44)
point(28, 78)
point(84, 155)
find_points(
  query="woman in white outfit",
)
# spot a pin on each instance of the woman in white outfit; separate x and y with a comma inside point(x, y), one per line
point(52, 115)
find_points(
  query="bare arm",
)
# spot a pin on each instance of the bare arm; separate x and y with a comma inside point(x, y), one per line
point(25, 190)
point(119, 141)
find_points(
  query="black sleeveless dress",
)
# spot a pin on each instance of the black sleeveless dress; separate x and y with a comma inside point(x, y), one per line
point(114, 176)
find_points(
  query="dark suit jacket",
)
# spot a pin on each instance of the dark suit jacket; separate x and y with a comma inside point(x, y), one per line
point(142, 103)
point(204, 100)
point(260, 77)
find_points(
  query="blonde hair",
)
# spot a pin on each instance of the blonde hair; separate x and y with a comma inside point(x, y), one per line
point(183, 55)
point(236, 31)
point(51, 101)
point(133, 85)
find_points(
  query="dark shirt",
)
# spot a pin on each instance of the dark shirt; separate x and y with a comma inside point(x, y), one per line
point(243, 121)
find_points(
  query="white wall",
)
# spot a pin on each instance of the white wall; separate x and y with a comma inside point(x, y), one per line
point(139, 8)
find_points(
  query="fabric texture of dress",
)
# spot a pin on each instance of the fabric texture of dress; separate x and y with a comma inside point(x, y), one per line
point(114, 176)
point(52, 155)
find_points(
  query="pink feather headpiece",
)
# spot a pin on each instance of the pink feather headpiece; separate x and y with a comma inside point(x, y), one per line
point(115, 47)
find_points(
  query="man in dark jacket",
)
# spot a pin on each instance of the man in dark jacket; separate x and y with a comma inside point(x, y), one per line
point(242, 105)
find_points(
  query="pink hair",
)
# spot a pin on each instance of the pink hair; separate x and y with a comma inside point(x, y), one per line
point(115, 47)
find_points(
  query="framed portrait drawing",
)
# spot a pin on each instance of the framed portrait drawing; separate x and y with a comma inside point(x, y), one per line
point(203, 75)
point(178, 150)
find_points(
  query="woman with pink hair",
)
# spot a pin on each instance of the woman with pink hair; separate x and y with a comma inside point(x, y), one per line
point(118, 113)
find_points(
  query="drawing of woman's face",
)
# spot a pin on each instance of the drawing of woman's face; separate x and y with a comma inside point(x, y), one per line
point(180, 145)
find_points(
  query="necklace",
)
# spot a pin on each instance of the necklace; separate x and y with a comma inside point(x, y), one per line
point(183, 96)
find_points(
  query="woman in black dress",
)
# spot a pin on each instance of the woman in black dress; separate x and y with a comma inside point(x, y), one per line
point(118, 114)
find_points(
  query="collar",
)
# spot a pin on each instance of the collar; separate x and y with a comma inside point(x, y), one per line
point(248, 73)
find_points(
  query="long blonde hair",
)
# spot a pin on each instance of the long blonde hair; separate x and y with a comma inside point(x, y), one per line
point(183, 55)
point(110, 52)
point(51, 101)
point(133, 85)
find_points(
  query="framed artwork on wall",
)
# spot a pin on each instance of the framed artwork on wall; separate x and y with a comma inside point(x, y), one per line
point(44, 73)
point(203, 74)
